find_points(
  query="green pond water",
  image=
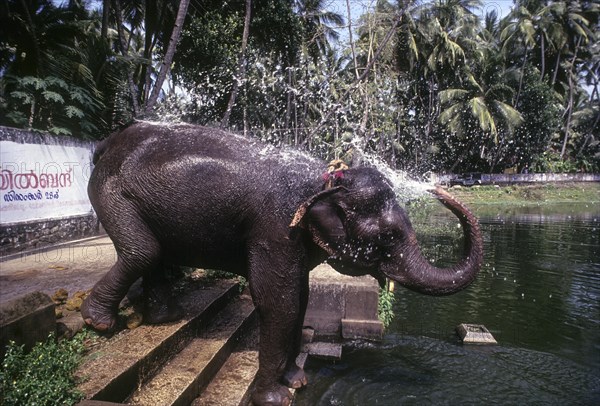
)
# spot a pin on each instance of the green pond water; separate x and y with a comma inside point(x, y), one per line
point(539, 295)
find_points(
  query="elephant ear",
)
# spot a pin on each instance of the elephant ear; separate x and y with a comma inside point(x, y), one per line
point(298, 219)
point(321, 216)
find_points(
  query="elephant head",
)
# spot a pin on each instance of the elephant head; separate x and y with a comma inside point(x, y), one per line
point(356, 219)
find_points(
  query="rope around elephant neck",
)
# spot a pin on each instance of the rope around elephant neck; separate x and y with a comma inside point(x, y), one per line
point(335, 170)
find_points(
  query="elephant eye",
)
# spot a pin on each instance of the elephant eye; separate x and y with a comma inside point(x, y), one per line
point(386, 239)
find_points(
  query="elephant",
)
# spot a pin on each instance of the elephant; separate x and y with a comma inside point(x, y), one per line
point(203, 197)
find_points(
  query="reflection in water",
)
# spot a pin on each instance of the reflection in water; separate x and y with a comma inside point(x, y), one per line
point(538, 293)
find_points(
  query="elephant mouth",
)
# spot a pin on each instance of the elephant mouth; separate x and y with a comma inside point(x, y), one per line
point(358, 261)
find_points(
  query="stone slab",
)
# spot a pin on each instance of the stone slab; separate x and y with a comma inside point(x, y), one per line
point(324, 350)
point(355, 329)
point(475, 334)
point(26, 320)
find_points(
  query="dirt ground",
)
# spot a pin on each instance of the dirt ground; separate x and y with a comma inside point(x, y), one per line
point(74, 266)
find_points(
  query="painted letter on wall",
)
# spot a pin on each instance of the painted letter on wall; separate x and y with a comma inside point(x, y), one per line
point(43, 181)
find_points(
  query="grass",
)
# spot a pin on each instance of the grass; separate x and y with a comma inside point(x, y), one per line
point(537, 194)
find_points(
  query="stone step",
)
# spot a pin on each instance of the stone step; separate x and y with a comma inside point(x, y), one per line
point(183, 378)
point(232, 385)
point(131, 358)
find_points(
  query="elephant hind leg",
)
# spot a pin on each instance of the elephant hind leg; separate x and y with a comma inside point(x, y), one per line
point(159, 304)
point(138, 254)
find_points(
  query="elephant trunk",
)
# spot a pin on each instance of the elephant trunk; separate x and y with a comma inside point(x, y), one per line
point(409, 268)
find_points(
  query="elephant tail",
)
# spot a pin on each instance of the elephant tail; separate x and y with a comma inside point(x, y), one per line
point(100, 149)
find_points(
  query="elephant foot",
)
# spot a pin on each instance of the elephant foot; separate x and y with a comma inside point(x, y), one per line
point(157, 312)
point(276, 396)
point(97, 317)
point(294, 377)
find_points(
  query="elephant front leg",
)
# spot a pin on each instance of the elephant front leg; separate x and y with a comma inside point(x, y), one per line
point(275, 349)
point(99, 309)
point(279, 287)
point(294, 376)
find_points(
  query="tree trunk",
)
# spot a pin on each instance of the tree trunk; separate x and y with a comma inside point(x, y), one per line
point(105, 15)
point(124, 51)
point(351, 40)
point(570, 102)
point(34, 40)
point(288, 107)
point(165, 66)
point(241, 69)
point(152, 17)
point(556, 67)
point(543, 57)
point(516, 101)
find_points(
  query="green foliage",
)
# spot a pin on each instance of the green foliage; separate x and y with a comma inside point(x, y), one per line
point(43, 376)
point(385, 307)
point(550, 162)
point(215, 274)
point(49, 104)
point(448, 92)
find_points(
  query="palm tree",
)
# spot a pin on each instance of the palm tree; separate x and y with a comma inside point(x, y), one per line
point(519, 36)
point(489, 111)
point(169, 54)
point(318, 25)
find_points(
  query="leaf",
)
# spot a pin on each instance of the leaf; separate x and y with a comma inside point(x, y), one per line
point(449, 95)
point(59, 130)
point(56, 82)
point(52, 96)
point(17, 118)
point(25, 98)
point(72, 111)
point(37, 83)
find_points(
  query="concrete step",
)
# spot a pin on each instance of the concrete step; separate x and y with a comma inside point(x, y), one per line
point(232, 385)
point(183, 378)
point(131, 358)
point(209, 358)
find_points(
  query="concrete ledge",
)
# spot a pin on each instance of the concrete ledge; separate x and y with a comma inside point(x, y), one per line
point(26, 320)
point(335, 297)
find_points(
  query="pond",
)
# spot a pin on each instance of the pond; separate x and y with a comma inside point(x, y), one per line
point(539, 295)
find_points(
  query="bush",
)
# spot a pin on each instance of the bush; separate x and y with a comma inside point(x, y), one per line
point(43, 376)
point(386, 306)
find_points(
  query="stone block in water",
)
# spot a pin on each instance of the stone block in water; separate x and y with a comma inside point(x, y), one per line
point(475, 334)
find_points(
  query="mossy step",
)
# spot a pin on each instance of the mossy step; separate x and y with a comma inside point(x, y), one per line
point(131, 358)
point(232, 385)
point(183, 378)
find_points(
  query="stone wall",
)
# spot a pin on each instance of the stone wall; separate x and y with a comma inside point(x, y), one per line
point(27, 236)
point(505, 178)
point(22, 235)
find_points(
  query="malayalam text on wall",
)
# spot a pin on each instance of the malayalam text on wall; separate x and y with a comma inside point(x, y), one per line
point(43, 181)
